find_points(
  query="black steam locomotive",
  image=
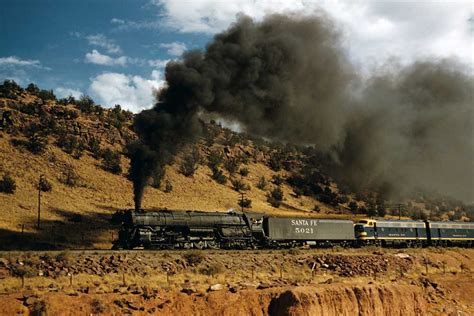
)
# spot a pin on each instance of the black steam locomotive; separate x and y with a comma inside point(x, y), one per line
point(192, 229)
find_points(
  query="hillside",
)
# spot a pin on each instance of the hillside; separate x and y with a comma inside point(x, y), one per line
point(80, 149)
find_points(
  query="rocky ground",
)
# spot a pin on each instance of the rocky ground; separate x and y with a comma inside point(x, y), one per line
point(299, 281)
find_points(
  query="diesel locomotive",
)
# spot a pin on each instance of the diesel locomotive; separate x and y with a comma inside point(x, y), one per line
point(165, 229)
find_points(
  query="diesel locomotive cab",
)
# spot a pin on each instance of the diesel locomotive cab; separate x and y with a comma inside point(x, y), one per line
point(365, 229)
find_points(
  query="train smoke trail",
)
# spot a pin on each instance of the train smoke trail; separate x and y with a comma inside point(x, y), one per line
point(288, 78)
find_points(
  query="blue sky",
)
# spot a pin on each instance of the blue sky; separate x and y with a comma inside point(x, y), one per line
point(115, 50)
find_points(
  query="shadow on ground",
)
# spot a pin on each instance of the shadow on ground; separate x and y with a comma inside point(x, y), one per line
point(71, 231)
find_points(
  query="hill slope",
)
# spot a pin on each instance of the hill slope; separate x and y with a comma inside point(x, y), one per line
point(79, 148)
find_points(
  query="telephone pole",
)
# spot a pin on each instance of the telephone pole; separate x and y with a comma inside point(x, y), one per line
point(39, 201)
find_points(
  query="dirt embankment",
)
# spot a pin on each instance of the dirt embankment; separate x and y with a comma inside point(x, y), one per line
point(351, 300)
point(277, 282)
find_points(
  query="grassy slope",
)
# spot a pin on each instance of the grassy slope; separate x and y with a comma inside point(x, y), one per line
point(100, 193)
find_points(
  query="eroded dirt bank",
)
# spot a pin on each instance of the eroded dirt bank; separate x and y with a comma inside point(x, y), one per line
point(303, 282)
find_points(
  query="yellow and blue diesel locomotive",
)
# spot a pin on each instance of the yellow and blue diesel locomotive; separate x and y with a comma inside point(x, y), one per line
point(414, 233)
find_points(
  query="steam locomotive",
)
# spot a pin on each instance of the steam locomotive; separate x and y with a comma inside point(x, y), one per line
point(193, 229)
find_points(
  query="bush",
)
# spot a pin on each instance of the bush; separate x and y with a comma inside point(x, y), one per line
point(111, 161)
point(94, 147)
point(63, 256)
point(238, 185)
point(244, 172)
point(219, 176)
point(262, 183)
point(85, 104)
point(353, 207)
point(36, 144)
point(33, 89)
point(275, 197)
point(44, 185)
point(190, 163)
point(97, 306)
point(213, 269)
point(68, 143)
point(215, 159)
point(245, 203)
point(277, 180)
point(7, 184)
point(231, 164)
point(193, 258)
point(316, 209)
point(46, 95)
point(9, 89)
point(70, 177)
point(39, 308)
point(168, 186)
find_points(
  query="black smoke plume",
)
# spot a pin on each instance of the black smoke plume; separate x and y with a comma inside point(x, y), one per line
point(288, 78)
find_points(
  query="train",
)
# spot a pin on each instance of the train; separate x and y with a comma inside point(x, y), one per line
point(164, 229)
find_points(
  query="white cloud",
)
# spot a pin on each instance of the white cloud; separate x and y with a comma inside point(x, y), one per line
point(134, 93)
point(97, 58)
point(175, 48)
point(158, 63)
point(373, 31)
point(13, 61)
point(101, 40)
point(62, 92)
point(117, 21)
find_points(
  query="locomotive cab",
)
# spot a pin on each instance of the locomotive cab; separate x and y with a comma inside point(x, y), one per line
point(365, 229)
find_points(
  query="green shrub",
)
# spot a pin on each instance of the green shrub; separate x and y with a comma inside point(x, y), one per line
point(168, 186)
point(94, 147)
point(231, 164)
point(85, 104)
point(275, 197)
point(36, 144)
point(70, 177)
point(238, 185)
point(193, 258)
point(39, 308)
point(97, 306)
point(212, 269)
point(353, 207)
point(7, 184)
point(244, 172)
point(215, 159)
point(10, 89)
point(262, 183)
point(111, 161)
point(44, 185)
point(219, 176)
point(277, 179)
point(245, 203)
point(189, 164)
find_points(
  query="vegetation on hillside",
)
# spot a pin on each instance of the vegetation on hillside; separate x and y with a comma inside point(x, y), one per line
point(36, 120)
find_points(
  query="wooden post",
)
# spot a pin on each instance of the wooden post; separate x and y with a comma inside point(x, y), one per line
point(312, 269)
point(168, 277)
point(22, 281)
point(444, 267)
point(253, 272)
point(39, 202)
point(70, 279)
point(123, 279)
point(281, 270)
point(426, 265)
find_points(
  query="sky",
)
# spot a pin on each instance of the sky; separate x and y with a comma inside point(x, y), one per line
point(116, 50)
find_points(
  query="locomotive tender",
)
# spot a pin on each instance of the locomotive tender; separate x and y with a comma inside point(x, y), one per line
point(193, 229)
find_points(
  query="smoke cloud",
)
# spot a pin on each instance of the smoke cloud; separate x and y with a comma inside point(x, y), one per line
point(288, 78)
